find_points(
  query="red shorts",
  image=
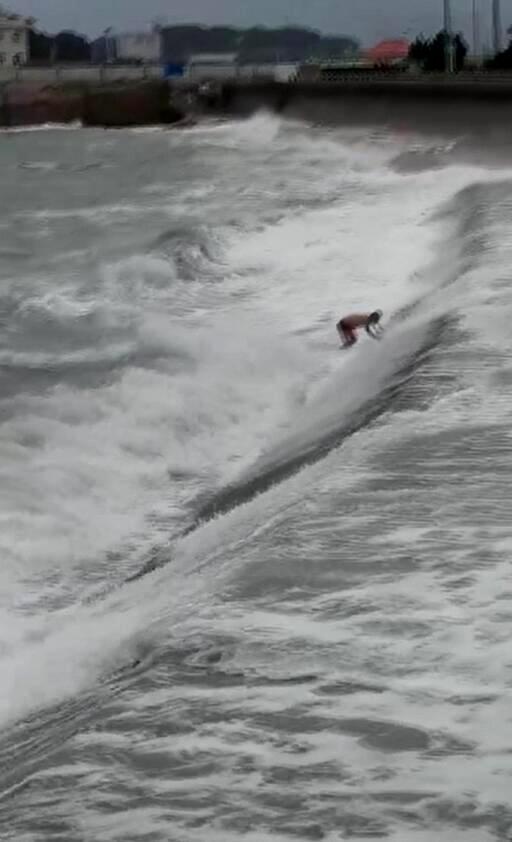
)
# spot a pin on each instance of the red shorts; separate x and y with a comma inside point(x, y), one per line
point(349, 333)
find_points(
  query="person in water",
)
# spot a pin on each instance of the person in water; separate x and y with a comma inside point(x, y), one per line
point(348, 326)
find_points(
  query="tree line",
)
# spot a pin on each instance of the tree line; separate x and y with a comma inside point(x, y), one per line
point(503, 59)
point(63, 47)
point(257, 44)
point(429, 54)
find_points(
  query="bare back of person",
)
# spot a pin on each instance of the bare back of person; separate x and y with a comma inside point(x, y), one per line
point(348, 326)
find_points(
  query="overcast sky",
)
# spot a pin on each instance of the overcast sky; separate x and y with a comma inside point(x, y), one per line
point(369, 20)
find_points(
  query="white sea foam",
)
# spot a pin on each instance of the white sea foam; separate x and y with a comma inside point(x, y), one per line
point(213, 376)
point(99, 461)
point(43, 127)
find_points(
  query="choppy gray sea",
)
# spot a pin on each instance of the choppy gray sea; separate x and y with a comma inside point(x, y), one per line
point(252, 588)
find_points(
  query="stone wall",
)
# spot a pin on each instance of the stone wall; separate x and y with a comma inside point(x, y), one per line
point(146, 103)
point(26, 103)
point(423, 103)
point(116, 104)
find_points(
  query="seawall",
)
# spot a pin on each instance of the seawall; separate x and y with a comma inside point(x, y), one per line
point(474, 102)
point(113, 104)
point(477, 103)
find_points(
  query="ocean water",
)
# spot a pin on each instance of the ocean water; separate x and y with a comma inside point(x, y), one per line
point(253, 588)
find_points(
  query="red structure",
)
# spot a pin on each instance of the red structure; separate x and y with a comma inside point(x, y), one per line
point(388, 52)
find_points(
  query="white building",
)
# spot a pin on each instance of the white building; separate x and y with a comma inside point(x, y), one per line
point(276, 72)
point(207, 66)
point(14, 38)
point(138, 46)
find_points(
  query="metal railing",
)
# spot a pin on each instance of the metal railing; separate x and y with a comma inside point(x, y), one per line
point(79, 73)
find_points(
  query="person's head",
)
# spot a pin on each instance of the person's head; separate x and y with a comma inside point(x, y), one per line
point(375, 317)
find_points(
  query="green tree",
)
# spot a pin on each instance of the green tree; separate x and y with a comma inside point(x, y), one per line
point(501, 61)
point(430, 53)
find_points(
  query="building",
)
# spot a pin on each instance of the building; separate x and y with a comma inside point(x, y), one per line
point(388, 52)
point(99, 50)
point(140, 47)
point(14, 38)
point(208, 66)
point(272, 71)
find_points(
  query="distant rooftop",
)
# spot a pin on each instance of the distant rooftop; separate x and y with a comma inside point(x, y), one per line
point(390, 50)
point(7, 16)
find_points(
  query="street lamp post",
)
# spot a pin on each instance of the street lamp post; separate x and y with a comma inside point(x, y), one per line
point(107, 34)
point(496, 25)
point(476, 33)
point(448, 34)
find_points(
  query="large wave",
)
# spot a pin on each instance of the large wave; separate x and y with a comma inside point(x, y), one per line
point(153, 389)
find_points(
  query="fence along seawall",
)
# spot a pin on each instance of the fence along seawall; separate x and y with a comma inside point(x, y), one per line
point(79, 72)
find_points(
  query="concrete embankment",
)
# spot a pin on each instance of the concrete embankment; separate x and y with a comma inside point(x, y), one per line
point(110, 105)
point(424, 103)
point(473, 102)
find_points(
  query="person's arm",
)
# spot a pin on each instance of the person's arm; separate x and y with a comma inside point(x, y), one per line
point(374, 330)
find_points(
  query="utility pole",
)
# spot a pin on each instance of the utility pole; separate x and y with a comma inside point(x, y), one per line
point(448, 34)
point(496, 26)
point(476, 33)
point(109, 52)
